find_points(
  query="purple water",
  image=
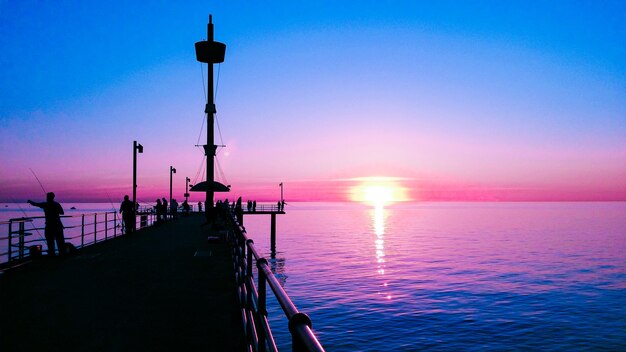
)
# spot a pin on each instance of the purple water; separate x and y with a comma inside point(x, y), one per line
point(453, 276)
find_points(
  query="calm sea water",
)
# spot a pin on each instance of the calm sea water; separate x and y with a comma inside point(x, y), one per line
point(447, 276)
point(454, 276)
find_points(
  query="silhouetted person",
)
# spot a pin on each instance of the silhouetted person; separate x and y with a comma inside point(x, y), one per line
point(128, 215)
point(282, 205)
point(239, 210)
point(159, 211)
point(254, 206)
point(54, 226)
point(249, 205)
point(200, 207)
point(174, 208)
point(278, 206)
point(186, 207)
point(164, 207)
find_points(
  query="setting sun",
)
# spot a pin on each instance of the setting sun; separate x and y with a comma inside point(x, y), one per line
point(378, 191)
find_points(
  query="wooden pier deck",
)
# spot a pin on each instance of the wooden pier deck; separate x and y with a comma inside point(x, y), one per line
point(164, 288)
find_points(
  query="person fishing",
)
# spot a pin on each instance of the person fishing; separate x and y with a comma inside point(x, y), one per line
point(128, 215)
point(54, 227)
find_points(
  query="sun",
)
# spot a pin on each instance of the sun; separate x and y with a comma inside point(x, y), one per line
point(378, 191)
point(378, 194)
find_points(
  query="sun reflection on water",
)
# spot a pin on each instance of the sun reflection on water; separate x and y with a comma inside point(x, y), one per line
point(378, 218)
point(379, 192)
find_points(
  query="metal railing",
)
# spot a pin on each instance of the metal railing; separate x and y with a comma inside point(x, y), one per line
point(25, 235)
point(252, 298)
point(263, 208)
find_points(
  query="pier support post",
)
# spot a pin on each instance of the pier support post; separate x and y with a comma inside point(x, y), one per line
point(273, 233)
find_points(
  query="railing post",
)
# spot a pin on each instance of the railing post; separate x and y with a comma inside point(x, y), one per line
point(82, 232)
point(262, 311)
point(241, 271)
point(248, 276)
point(95, 228)
point(297, 319)
point(106, 225)
point(21, 240)
point(249, 273)
point(115, 225)
point(10, 241)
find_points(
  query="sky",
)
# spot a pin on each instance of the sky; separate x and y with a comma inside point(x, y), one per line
point(447, 100)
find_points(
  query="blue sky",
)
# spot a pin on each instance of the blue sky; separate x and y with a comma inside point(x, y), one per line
point(486, 94)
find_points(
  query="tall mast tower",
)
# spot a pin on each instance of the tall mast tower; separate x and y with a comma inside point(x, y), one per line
point(210, 52)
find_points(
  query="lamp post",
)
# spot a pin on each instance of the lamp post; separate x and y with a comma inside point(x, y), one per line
point(281, 192)
point(136, 148)
point(187, 179)
point(172, 171)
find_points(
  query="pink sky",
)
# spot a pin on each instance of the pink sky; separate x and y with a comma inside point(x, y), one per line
point(334, 190)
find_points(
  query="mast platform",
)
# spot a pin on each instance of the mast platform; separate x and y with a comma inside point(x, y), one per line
point(164, 288)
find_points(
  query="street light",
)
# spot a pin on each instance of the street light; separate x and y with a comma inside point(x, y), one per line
point(172, 171)
point(136, 148)
point(187, 179)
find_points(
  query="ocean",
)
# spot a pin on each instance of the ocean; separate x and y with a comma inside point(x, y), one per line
point(447, 276)
point(453, 276)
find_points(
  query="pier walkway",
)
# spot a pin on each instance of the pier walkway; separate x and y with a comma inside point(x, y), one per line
point(164, 288)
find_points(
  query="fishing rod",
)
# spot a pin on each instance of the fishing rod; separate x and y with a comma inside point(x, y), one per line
point(115, 211)
point(145, 204)
point(26, 216)
point(37, 178)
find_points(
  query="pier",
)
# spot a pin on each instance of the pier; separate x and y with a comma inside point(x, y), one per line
point(179, 285)
point(264, 209)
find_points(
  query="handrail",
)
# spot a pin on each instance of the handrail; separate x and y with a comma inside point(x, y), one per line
point(253, 298)
point(263, 208)
point(15, 246)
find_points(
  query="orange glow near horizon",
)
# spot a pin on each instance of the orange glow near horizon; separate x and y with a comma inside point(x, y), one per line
point(378, 191)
